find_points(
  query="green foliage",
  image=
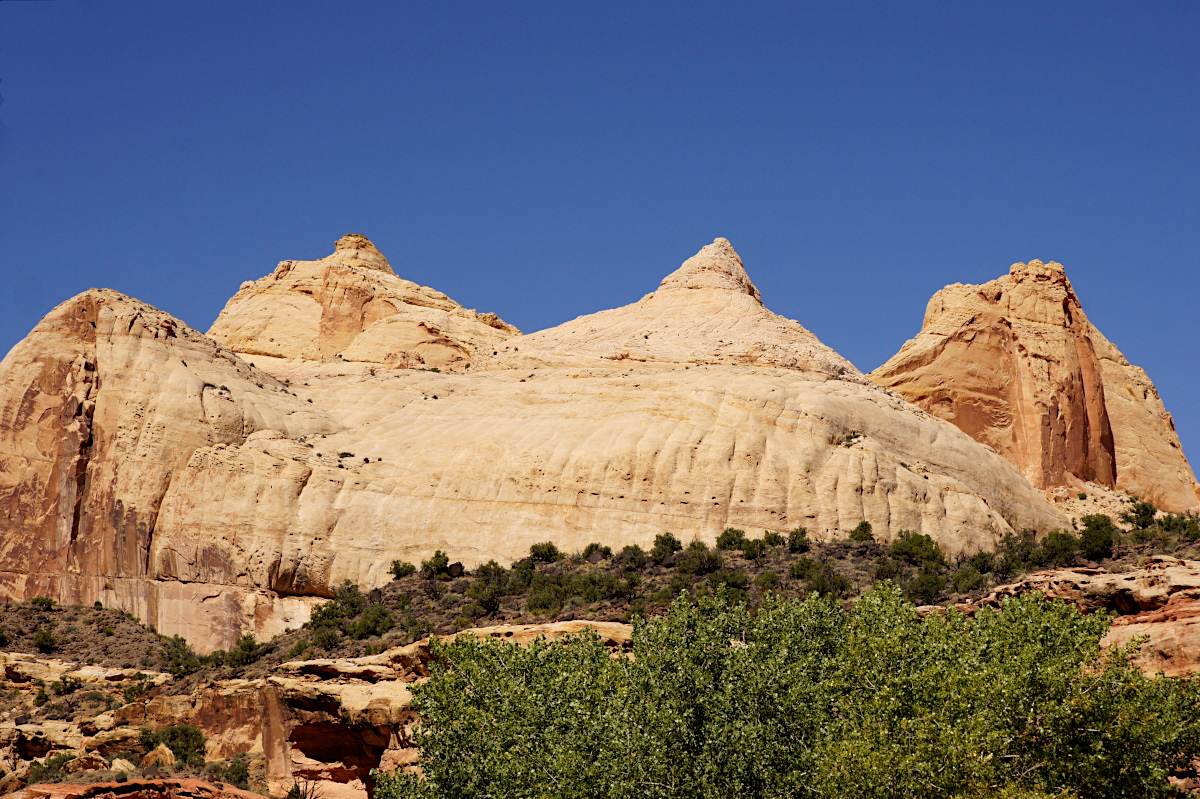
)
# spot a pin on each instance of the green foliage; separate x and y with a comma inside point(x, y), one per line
point(133, 692)
point(773, 539)
point(665, 545)
point(927, 586)
point(545, 552)
point(41, 698)
point(732, 583)
point(1020, 553)
point(42, 602)
point(67, 685)
point(400, 569)
point(1183, 527)
point(917, 549)
point(1060, 548)
point(235, 771)
point(767, 581)
point(805, 700)
point(4, 639)
point(437, 567)
point(753, 548)
point(731, 538)
point(797, 541)
point(594, 548)
point(374, 621)
point(51, 770)
point(827, 582)
point(45, 642)
point(1140, 515)
point(1099, 536)
point(966, 580)
point(633, 556)
point(802, 568)
point(698, 559)
point(185, 742)
point(862, 533)
point(246, 651)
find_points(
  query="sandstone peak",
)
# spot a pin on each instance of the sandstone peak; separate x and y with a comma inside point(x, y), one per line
point(355, 249)
point(1016, 364)
point(715, 266)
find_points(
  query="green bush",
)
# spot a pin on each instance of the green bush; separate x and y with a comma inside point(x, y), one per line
point(917, 549)
point(773, 539)
point(51, 770)
point(862, 533)
point(633, 556)
point(42, 602)
point(1098, 537)
point(824, 580)
point(798, 542)
point(698, 559)
point(767, 581)
point(67, 685)
point(437, 567)
point(594, 548)
point(731, 538)
point(802, 569)
point(753, 548)
point(400, 569)
point(806, 700)
point(45, 642)
point(1060, 548)
point(41, 698)
point(374, 621)
point(246, 651)
point(545, 552)
point(1184, 527)
point(731, 583)
point(1140, 515)
point(966, 580)
point(927, 586)
point(889, 568)
point(665, 545)
point(235, 771)
point(133, 692)
point(185, 742)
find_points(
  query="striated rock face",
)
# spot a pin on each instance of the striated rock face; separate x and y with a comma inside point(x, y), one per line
point(352, 306)
point(137, 789)
point(1016, 364)
point(242, 496)
point(100, 407)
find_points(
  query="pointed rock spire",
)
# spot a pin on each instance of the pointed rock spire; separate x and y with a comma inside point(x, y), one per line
point(716, 266)
point(355, 249)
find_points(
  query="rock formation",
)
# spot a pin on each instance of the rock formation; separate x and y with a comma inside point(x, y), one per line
point(1016, 364)
point(150, 467)
point(352, 306)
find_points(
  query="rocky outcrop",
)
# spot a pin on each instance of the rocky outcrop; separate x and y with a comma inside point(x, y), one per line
point(351, 306)
point(101, 406)
point(1016, 364)
point(1158, 602)
point(243, 496)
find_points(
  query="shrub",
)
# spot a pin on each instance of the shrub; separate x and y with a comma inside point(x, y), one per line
point(133, 692)
point(665, 545)
point(1140, 515)
point(773, 539)
point(1186, 527)
point(45, 642)
point(41, 698)
point(926, 586)
point(235, 771)
point(917, 549)
point(545, 552)
point(594, 548)
point(327, 638)
point(4, 639)
point(731, 538)
point(42, 602)
point(1098, 537)
point(67, 685)
point(862, 533)
point(767, 581)
point(824, 580)
point(185, 742)
point(437, 567)
point(245, 651)
point(400, 569)
point(798, 541)
point(966, 580)
point(698, 559)
point(633, 556)
point(49, 771)
point(1060, 548)
point(730, 583)
point(753, 548)
point(375, 620)
point(802, 569)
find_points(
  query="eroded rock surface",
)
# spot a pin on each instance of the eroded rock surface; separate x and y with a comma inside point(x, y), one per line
point(352, 306)
point(241, 496)
point(1016, 364)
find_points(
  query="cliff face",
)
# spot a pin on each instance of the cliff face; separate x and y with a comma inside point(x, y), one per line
point(1016, 364)
point(148, 466)
point(353, 307)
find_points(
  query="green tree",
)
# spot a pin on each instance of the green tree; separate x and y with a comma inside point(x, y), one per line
point(665, 545)
point(731, 538)
point(862, 533)
point(400, 569)
point(437, 567)
point(1098, 537)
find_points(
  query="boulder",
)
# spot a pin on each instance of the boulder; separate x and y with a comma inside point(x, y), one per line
point(160, 756)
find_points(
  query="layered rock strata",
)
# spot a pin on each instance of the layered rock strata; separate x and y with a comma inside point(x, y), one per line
point(691, 410)
point(1016, 364)
point(352, 306)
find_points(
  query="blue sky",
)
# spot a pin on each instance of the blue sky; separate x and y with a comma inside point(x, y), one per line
point(546, 160)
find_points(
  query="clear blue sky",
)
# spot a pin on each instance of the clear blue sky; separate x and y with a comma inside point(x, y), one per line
point(545, 160)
